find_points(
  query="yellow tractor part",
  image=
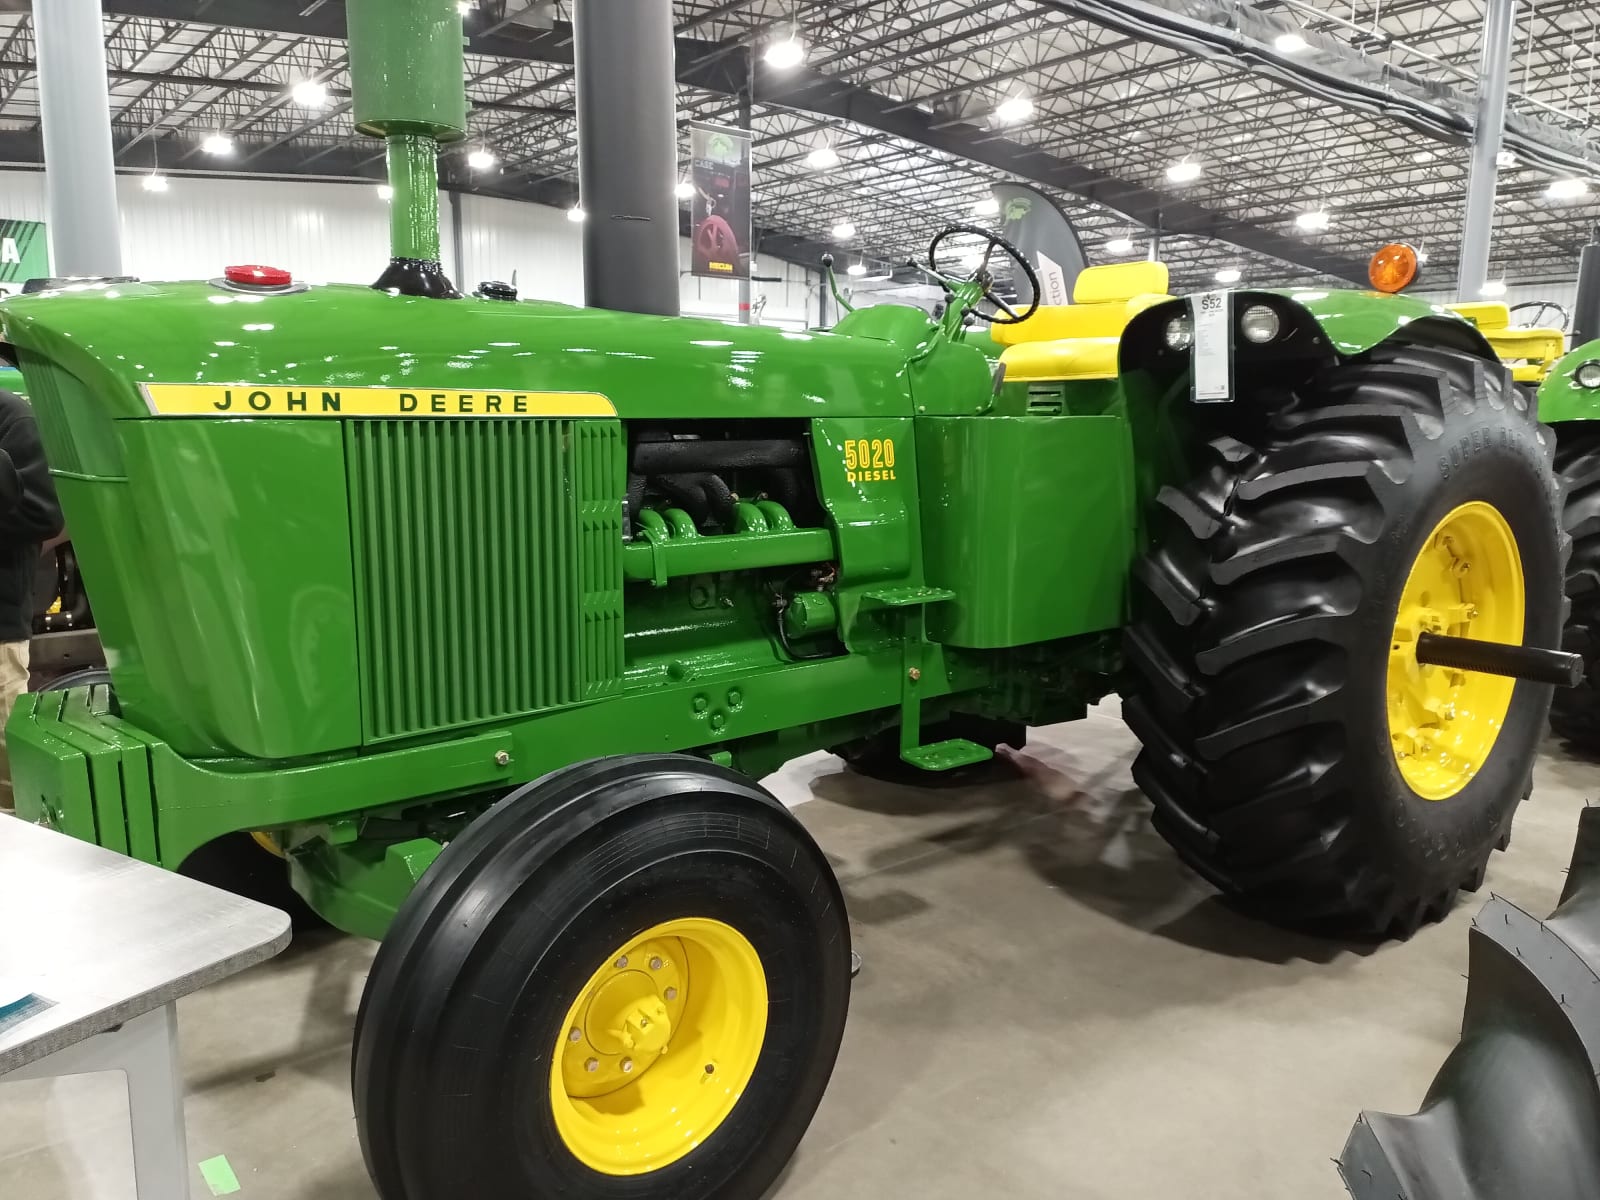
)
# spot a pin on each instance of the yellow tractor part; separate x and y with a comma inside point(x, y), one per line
point(1080, 340)
point(659, 1046)
point(1466, 582)
point(1530, 353)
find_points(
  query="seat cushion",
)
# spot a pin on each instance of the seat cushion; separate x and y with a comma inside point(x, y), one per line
point(1120, 281)
point(1065, 358)
point(1485, 314)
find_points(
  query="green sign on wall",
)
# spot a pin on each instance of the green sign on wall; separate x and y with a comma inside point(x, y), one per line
point(24, 254)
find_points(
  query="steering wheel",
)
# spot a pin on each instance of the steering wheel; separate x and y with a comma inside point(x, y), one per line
point(1540, 308)
point(983, 276)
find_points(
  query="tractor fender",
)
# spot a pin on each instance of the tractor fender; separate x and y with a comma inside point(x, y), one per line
point(1354, 322)
point(1341, 324)
point(1562, 397)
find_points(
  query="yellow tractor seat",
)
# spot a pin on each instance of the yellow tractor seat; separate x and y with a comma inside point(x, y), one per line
point(1530, 353)
point(1080, 340)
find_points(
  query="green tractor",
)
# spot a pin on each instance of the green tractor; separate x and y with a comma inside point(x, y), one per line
point(488, 616)
point(1569, 400)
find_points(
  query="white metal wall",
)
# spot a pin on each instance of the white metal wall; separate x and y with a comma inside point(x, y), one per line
point(339, 233)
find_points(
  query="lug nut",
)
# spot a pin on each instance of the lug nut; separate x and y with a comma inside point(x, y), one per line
point(501, 758)
point(672, 993)
point(622, 962)
point(575, 1036)
point(627, 1066)
point(592, 1065)
point(655, 964)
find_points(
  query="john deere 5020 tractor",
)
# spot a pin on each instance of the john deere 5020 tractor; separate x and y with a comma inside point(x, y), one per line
point(488, 616)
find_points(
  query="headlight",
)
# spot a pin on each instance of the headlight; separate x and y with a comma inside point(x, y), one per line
point(1259, 324)
point(1588, 375)
point(1180, 333)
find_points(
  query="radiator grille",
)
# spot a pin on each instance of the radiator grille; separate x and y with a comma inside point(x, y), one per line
point(488, 559)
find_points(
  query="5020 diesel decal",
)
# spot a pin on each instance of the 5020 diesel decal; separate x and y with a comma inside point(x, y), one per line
point(869, 460)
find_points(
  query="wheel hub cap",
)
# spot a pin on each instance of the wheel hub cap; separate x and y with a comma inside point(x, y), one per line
point(659, 1046)
point(1465, 582)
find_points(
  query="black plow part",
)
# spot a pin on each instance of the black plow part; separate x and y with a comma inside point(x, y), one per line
point(1514, 1113)
point(1496, 658)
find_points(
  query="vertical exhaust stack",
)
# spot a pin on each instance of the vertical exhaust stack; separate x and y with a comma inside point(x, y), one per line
point(627, 153)
point(1586, 308)
point(408, 73)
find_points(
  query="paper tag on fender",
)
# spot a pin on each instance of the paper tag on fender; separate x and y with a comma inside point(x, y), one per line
point(1212, 313)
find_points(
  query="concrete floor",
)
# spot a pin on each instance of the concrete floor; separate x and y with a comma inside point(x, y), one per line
point(1051, 1007)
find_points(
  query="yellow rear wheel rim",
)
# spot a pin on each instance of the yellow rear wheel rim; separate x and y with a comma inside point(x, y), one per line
point(658, 1048)
point(1466, 582)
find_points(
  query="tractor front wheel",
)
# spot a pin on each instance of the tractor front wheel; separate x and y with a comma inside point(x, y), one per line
point(628, 978)
point(1297, 754)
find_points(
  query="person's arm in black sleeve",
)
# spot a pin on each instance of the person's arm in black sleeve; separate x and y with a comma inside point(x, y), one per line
point(29, 511)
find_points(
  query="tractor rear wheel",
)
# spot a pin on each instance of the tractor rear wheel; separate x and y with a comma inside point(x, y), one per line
point(628, 978)
point(1575, 712)
point(1296, 753)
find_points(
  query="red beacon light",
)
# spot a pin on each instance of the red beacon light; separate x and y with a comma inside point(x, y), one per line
point(254, 275)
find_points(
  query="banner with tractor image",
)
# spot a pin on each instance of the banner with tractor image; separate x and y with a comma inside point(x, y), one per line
point(24, 254)
point(719, 226)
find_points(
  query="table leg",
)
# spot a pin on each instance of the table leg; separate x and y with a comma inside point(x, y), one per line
point(155, 1105)
point(145, 1050)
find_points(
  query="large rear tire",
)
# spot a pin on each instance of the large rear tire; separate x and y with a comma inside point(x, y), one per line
point(1296, 754)
point(1575, 712)
point(627, 979)
point(1514, 1113)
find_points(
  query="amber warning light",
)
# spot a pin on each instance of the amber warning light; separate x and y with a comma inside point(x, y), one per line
point(252, 275)
point(1394, 268)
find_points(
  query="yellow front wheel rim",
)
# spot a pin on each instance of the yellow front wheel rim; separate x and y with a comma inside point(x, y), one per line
point(1466, 581)
point(658, 1048)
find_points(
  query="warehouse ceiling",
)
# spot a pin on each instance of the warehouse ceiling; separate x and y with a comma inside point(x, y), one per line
point(1280, 109)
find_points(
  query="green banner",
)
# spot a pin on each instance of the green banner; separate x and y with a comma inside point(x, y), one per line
point(24, 254)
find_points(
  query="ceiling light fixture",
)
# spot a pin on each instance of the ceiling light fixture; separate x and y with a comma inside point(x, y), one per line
point(857, 268)
point(789, 52)
point(843, 231)
point(1229, 275)
point(1121, 245)
point(1186, 171)
point(310, 93)
point(481, 159)
point(218, 143)
point(823, 158)
point(987, 207)
point(1567, 189)
point(154, 183)
point(1014, 109)
point(575, 214)
point(1495, 287)
point(1313, 222)
point(464, 6)
point(684, 190)
point(1505, 160)
point(1290, 43)
point(385, 192)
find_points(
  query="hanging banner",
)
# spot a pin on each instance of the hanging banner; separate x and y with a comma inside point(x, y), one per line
point(720, 209)
point(1035, 224)
point(24, 254)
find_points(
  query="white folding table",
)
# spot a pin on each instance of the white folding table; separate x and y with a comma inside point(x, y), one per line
point(108, 945)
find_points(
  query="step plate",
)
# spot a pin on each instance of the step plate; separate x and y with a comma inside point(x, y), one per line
point(947, 755)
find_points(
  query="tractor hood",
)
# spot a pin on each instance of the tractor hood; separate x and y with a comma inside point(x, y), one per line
point(365, 351)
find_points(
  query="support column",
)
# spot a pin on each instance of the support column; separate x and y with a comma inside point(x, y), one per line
point(1494, 72)
point(75, 112)
point(627, 153)
point(745, 94)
